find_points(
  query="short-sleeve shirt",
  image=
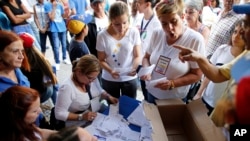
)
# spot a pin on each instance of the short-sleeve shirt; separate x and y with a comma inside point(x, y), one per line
point(77, 49)
point(119, 53)
point(213, 92)
point(78, 5)
point(168, 65)
point(58, 24)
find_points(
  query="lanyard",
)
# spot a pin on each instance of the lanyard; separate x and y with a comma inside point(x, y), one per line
point(143, 29)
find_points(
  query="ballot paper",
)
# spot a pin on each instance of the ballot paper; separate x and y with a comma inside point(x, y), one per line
point(137, 117)
point(123, 71)
point(152, 83)
point(115, 127)
point(146, 70)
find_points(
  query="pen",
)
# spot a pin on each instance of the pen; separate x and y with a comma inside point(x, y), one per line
point(100, 137)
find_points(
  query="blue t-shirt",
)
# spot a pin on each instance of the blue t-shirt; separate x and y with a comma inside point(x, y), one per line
point(6, 83)
point(58, 24)
point(78, 5)
point(77, 49)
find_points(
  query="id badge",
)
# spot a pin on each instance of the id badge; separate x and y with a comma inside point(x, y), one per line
point(162, 65)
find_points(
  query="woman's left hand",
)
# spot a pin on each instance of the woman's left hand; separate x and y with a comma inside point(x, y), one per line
point(132, 72)
point(112, 99)
point(163, 85)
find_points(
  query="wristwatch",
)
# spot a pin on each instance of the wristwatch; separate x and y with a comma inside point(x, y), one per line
point(80, 117)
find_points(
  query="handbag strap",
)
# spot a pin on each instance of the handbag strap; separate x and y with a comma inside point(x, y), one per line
point(88, 90)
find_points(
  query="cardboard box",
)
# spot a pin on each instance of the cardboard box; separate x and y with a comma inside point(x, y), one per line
point(173, 120)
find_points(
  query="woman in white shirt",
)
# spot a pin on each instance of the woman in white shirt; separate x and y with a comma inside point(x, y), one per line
point(209, 91)
point(173, 77)
point(118, 49)
point(76, 93)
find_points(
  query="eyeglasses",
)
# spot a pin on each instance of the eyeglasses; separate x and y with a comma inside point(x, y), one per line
point(190, 12)
point(90, 78)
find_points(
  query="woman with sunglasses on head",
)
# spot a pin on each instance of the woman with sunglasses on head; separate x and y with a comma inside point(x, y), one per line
point(76, 93)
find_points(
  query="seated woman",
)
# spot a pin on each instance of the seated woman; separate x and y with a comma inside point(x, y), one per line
point(41, 75)
point(79, 90)
point(72, 133)
point(11, 59)
point(21, 107)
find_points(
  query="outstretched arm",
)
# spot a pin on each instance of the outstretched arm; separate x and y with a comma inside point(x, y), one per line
point(210, 71)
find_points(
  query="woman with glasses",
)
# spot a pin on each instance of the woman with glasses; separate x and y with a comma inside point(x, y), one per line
point(171, 78)
point(77, 94)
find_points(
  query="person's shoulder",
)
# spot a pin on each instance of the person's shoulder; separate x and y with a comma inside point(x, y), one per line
point(47, 4)
point(103, 32)
point(224, 47)
point(193, 34)
point(67, 83)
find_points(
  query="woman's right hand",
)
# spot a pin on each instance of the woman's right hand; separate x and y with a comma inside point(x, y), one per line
point(115, 74)
point(197, 96)
point(89, 116)
point(146, 77)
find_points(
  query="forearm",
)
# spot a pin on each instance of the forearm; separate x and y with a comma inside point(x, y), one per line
point(136, 62)
point(24, 16)
point(72, 116)
point(18, 20)
point(210, 71)
point(105, 66)
point(145, 61)
point(187, 79)
point(105, 95)
point(52, 14)
point(37, 23)
point(203, 86)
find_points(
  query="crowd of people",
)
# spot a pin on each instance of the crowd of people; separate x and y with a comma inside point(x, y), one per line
point(106, 52)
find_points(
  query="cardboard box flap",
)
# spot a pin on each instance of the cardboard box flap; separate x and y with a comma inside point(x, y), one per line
point(166, 102)
point(153, 115)
point(197, 107)
point(205, 125)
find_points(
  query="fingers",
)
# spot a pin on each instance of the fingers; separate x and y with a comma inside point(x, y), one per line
point(91, 116)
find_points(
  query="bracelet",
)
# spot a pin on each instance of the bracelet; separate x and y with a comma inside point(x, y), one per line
point(79, 117)
point(172, 86)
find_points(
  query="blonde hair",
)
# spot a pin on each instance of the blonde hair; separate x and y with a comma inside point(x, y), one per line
point(117, 9)
point(87, 64)
point(170, 7)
